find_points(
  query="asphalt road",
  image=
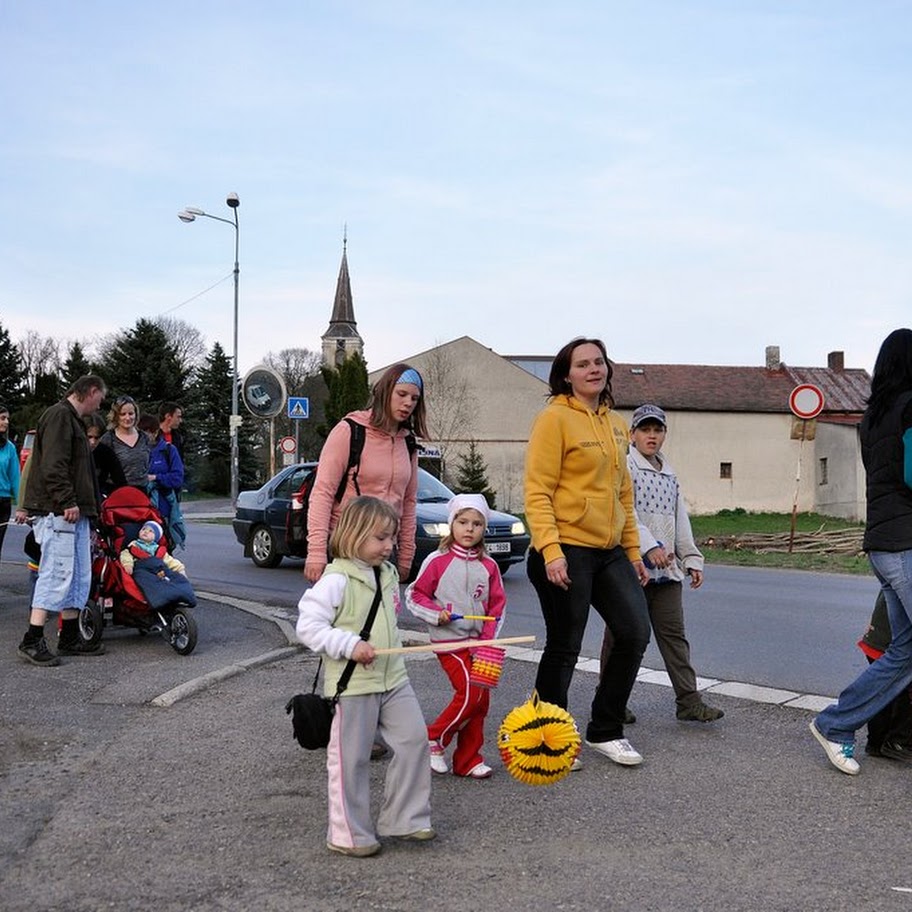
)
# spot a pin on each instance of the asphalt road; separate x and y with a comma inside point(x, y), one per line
point(775, 628)
point(112, 802)
point(111, 799)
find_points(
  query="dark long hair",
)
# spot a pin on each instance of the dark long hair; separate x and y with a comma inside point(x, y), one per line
point(380, 399)
point(560, 368)
point(892, 373)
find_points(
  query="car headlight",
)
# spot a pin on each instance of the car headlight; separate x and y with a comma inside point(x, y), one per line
point(436, 530)
point(518, 528)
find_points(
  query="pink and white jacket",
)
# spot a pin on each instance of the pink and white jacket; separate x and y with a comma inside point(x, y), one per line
point(386, 472)
point(462, 582)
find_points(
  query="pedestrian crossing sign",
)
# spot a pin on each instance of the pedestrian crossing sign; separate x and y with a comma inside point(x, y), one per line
point(298, 407)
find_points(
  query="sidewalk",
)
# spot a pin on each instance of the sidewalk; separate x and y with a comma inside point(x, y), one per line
point(208, 804)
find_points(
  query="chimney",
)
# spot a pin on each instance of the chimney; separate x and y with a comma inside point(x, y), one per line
point(836, 361)
point(772, 358)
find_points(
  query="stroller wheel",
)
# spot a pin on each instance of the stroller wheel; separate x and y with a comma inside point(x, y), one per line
point(91, 623)
point(181, 632)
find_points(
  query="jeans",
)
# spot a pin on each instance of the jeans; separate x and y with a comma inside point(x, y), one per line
point(605, 579)
point(881, 682)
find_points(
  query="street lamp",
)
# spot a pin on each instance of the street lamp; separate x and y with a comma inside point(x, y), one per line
point(190, 214)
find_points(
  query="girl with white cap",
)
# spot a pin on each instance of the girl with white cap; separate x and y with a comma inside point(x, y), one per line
point(459, 593)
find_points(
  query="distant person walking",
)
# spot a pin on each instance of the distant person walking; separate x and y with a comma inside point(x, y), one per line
point(170, 418)
point(9, 473)
point(886, 449)
point(60, 496)
point(585, 543)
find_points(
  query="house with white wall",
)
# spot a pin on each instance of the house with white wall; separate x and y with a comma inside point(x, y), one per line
point(731, 435)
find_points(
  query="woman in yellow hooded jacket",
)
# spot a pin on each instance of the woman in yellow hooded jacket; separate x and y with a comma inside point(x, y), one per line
point(585, 542)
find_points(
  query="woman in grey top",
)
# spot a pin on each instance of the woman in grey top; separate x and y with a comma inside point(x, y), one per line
point(131, 448)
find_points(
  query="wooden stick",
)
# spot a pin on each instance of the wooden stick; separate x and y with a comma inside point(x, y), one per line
point(454, 645)
point(472, 617)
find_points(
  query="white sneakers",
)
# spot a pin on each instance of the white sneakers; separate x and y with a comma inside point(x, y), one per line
point(439, 763)
point(839, 754)
point(438, 758)
point(480, 771)
point(620, 751)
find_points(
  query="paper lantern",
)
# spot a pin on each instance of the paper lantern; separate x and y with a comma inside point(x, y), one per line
point(538, 742)
point(487, 664)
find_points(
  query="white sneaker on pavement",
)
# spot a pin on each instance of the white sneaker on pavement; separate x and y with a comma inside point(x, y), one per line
point(438, 758)
point(620, 751)
point(839, 754)
point(480, 771)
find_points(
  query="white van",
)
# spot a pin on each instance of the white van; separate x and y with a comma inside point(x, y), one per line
point(258, 397)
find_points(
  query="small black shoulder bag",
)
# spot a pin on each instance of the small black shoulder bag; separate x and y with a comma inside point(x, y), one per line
point(312, 714)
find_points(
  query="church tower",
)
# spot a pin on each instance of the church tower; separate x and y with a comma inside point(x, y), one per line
point(341, 340)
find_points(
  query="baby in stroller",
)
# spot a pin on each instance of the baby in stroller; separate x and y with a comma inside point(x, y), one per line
point(137, 583)
point(161, 576)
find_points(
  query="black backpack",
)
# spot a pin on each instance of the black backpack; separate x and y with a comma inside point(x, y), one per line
point(296, 527)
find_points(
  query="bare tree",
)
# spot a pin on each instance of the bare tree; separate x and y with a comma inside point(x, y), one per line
point(39, 356)
point(187, 341)
point(450, 403)
point(295, 366)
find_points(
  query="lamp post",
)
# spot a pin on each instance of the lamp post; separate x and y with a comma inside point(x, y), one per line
point(190, 214)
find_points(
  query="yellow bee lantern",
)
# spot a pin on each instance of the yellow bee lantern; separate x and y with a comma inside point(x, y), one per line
point(538, 742)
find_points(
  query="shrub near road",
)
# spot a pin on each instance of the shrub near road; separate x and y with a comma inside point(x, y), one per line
point(822, 543)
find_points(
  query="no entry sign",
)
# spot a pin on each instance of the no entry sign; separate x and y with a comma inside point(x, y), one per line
point(806, 401)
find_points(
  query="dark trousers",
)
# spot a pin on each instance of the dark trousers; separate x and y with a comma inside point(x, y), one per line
point(604, 579)
point(6, 510)
point(893, 723)
point(666, 614)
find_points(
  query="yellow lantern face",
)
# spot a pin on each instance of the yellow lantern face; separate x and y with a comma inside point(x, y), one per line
point(538, 742)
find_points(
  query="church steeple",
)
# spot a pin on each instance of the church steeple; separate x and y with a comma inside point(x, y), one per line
point(341, 340)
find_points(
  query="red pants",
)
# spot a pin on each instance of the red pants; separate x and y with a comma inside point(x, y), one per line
point(463, 718)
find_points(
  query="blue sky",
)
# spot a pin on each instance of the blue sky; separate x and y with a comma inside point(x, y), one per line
point(691, 181)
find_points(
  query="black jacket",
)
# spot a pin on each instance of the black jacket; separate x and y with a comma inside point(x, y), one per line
point(889, 518)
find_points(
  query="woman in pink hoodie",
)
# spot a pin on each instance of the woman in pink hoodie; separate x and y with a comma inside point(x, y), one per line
point(388, 468)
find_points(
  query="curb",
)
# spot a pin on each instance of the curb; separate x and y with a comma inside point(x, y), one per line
point(752, 692)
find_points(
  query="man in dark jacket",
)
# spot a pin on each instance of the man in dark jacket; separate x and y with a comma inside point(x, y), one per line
point(60, 497)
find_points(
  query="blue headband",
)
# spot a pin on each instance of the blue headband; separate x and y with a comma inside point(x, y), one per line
point(411, 376)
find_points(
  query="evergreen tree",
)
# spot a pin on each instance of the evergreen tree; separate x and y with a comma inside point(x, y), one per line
point(206, 424)
point(48, 390)
point(13, 387)
point(12, 376)
point(76, 365)
point(143, 363)
point(207, 413)
point(472, 475)
point(348, 390)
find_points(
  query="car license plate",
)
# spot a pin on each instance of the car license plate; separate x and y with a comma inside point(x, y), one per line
point(498, 547)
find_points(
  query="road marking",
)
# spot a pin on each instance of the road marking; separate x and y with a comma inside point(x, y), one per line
point(278, 616)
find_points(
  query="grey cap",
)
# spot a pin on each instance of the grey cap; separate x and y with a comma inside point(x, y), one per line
point(648, 412)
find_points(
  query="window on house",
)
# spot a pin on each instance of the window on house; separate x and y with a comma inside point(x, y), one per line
point(822, 471)
point(725, 470)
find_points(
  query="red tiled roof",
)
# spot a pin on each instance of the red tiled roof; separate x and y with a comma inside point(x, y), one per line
point(692, 387)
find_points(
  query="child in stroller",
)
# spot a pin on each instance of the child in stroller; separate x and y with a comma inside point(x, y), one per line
point(152, 594)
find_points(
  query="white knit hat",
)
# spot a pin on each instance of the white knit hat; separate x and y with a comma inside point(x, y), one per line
point(468, 502)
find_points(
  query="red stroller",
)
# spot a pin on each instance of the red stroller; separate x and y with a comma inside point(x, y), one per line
point(116, 597)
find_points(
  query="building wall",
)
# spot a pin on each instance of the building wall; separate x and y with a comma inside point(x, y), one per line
point(501, 401)
point(764, 460)
point(840, 483)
